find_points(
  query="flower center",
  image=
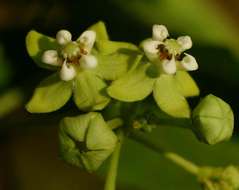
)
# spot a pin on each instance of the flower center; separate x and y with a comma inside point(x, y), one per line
point(72, 52)
point(163, 52)
point(170, 49)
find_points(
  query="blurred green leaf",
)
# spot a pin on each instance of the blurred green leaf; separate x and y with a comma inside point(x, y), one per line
point(10, 101)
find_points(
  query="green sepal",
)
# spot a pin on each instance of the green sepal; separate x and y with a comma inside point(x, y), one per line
point(116, 58)
point(101, 31)
point(36, 44)
point(89, 92)
point(133, 86)
point(169, 99)
point(86, 141)
point(50, 95)
point(186, 85)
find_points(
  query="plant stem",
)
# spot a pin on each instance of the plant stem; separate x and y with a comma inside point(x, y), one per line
point(110, 183)
point(115, 123)
point(177, 159)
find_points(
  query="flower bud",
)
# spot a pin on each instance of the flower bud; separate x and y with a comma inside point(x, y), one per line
point(86, 141)
point(212, 120)
point(219, 178)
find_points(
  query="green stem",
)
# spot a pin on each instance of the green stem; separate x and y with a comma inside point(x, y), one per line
point(177, 159)
point(115, 123)
point(110, 183)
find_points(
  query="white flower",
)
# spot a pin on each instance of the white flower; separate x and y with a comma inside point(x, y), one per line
point(72, 53)
point(168, 52)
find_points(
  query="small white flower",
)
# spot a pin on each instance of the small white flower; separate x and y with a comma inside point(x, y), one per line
point(72, 53)
point(169, 52)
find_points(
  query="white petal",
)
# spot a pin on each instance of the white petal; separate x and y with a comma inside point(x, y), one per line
point(63, 37)
point(160, 32)
point(87, 39)
point(189, 63)
point(51, 57)
point(67, 72)
point(169, 66)
point(88, 62)
point(185, 42)
point(151, 50)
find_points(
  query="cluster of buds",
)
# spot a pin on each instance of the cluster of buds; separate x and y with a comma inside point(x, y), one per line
point(72, 54)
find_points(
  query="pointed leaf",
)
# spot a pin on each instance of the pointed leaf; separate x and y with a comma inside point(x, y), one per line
point(50, 95)
point(36, 44)
point(89, 92)
point(101, 31)
point(186, 85)
point(133, 86)
point(116, 58)
point(168, 98)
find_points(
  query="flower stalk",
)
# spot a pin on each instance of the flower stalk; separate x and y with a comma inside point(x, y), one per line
point(177, 159)
point(110, 183)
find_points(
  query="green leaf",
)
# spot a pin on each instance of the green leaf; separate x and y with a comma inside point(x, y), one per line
point(116, 58)
point(89, 92)
point(133, 86)
point(50, 95)
point(169, 99)
point(36, 44)
point(100, 29)
point(186, 85)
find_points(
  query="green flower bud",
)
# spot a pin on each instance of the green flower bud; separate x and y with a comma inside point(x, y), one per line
point(213, 120)
point(86, 140)
point(219, 178)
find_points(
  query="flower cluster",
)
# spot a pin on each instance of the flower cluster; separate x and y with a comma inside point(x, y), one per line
point(169, 53)
point(72, 53)
point(111, 83)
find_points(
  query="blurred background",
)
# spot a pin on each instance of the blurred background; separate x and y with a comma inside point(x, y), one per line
point(28, 143)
